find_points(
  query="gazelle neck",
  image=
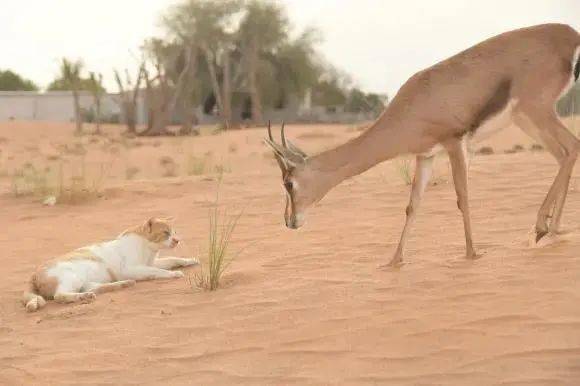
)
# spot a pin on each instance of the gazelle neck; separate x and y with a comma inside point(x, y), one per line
point(377, 144)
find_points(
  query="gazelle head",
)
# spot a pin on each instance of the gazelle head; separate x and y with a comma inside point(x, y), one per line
point(301, 182)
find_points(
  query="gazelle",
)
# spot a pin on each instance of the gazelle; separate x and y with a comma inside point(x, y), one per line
point(516, 77)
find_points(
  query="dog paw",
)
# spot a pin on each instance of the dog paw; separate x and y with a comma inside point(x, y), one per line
point(178, 274)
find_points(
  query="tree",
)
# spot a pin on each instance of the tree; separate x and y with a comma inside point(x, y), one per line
point(294, 69)
point(205, 26)
point(97, 91)
point(70, 79)
point(172, 63)
point(360, 102)
point(128, 94)
point(331, 89)
point(264, 27)
point(10, 81)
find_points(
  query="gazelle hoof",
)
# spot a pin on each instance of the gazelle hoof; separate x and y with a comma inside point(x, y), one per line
point(392, 266)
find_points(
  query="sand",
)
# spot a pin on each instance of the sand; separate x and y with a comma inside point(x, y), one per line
point(296, 307)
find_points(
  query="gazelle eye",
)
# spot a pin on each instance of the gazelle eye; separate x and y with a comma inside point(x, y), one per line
point(288, 185)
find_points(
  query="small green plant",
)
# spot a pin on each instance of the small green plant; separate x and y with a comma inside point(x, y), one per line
point(195, 166)
point(64, 188)
point(404, 170)
point(29, 180)
point(222, 169)
point(221, 228)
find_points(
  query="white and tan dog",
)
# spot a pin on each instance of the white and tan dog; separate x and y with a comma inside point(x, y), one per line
point(80, 275)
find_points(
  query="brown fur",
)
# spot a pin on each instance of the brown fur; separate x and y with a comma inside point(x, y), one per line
point(440, 106)
point(42, 284)
point(155, 230)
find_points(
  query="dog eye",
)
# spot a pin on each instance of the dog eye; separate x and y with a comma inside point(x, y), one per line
point(288, 185)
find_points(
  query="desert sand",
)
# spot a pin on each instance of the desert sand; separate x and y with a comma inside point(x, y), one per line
point(296, 307)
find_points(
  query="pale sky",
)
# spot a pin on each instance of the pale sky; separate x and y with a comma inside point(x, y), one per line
point(380, 43)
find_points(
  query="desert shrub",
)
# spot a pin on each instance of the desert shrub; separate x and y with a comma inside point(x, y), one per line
point(485, 150)
point(169, 166)
point(222, 169)
point(221, 229)
point(60, 185)
point(195, 166)
point(515, 149)
point(404, 170)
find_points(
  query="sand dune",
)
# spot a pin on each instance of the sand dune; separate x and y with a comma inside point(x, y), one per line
point(298, 307)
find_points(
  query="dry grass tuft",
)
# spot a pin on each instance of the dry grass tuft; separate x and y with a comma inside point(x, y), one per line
point(195, 166)
point(404, 169)
point(169, 166)
point(485, 150)
point(221, 228)
point(59, 185)
point(516, 149)
point(222, 169)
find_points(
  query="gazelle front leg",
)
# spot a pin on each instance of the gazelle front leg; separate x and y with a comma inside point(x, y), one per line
point(458, 158)
point(423, 171)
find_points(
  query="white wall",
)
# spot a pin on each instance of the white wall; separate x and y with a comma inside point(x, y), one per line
point(54, 106)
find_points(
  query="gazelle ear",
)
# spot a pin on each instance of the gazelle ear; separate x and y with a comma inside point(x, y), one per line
point(277, 155)
point(287, 155)
point(296, 149)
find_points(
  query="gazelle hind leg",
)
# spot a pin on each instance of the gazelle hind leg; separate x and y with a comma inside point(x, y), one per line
point(423, 171)
point(564, 147)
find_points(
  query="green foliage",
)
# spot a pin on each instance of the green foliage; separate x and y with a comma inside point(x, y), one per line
point(60, 84)
point(11, 81)
point(264, 26)
point(292, 69)
point(328, 93)
point(70, 78)
point(207, 21)
point(264, 58)
point(359, 102)
point(95, 85)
